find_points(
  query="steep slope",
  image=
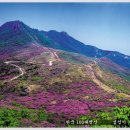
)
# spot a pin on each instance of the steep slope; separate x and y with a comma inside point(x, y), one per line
point(119, 59)
point(68, 43)
point(15, 34)
point(114, 68)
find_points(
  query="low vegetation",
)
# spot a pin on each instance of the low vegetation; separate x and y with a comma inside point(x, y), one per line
point(116, 117)
point(11, 117)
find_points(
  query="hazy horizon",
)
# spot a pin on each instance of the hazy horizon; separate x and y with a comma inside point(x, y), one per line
point(104, 25)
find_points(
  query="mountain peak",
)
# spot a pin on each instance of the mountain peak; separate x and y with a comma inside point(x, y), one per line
point(13, 25)
point(15, 21)
point(52, 31)
point(64, 33)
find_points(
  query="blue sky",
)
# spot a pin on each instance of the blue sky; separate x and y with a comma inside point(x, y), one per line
point(104, 25)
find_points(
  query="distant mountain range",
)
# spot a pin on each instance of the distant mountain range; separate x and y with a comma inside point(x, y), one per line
point(16, 33)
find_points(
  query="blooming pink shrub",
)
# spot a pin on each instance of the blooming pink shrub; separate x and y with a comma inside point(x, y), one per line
point(80, 99)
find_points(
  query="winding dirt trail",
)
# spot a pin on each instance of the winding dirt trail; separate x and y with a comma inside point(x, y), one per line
point(54, 57)
point(22, 71)
point(102, 85)
point(98, 82)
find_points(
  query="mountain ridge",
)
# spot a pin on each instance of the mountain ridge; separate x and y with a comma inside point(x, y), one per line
point(16, 32)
